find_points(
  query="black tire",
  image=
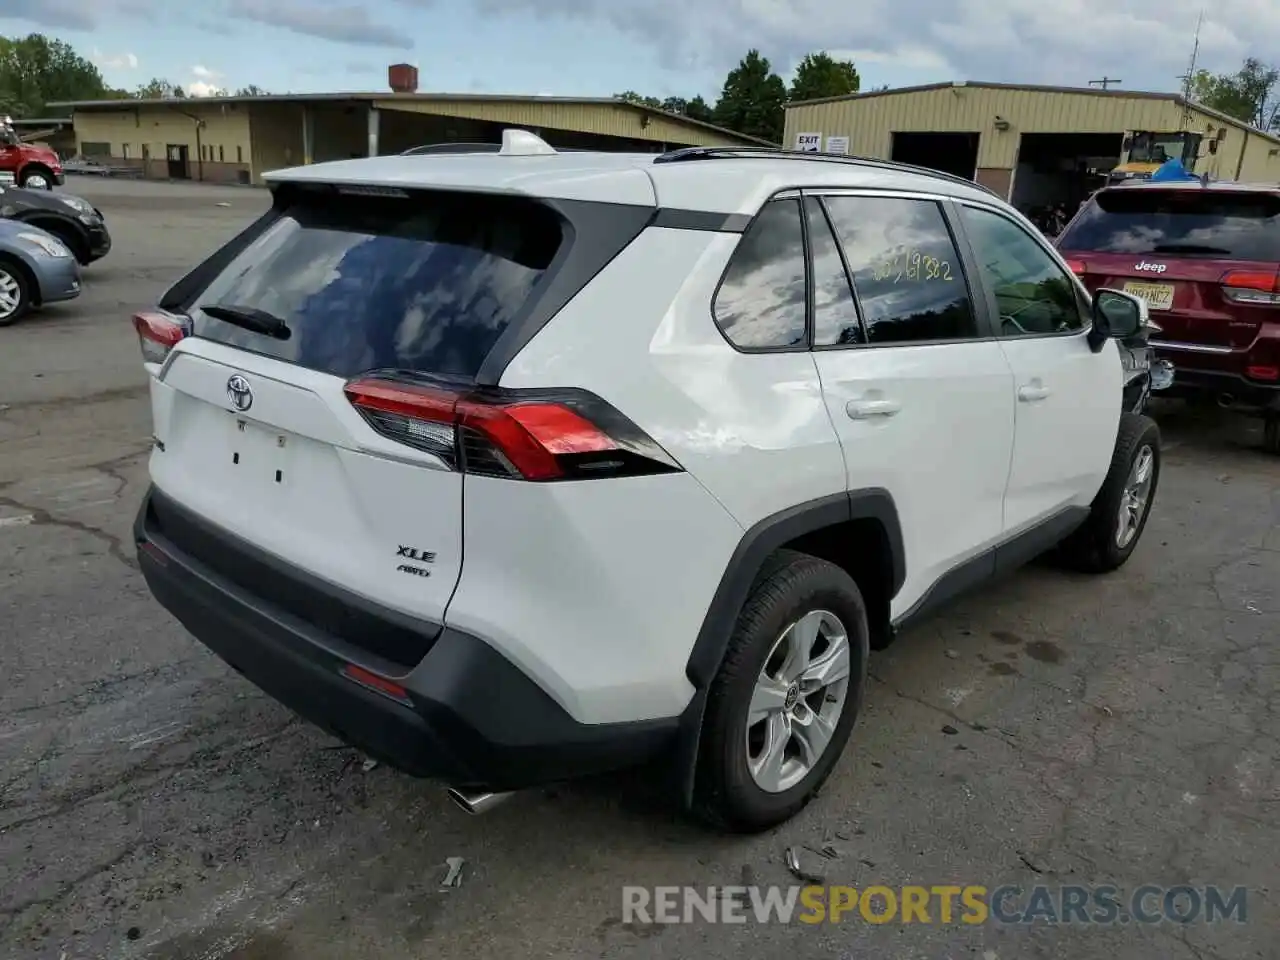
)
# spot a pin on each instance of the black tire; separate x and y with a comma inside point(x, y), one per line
point(33, 171)
point(792, 584)
point(1271, 433)
point(11, 269)
point(1094, 547)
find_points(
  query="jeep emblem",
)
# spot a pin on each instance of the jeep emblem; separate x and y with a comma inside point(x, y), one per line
point(1151, 267)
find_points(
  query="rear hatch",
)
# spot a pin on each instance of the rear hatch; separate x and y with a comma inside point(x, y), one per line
point(1207, 261)
point(258, 431)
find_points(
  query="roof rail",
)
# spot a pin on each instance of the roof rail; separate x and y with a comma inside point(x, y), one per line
point(429, 149)
point(775, 153)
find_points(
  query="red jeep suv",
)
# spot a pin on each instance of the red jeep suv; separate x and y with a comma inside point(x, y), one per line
point(1206, 258)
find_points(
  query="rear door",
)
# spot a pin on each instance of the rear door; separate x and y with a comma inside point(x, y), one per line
point(1206, 260)
point(256, 433)
point(920, 395)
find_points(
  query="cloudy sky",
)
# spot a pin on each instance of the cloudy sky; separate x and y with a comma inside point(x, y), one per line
point(661, 47)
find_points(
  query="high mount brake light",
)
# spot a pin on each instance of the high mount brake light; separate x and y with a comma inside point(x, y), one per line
point(519, 435)
point(1256, 287)
point(158, 333)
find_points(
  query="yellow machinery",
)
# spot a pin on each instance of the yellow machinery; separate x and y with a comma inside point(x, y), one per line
point(1144, 151)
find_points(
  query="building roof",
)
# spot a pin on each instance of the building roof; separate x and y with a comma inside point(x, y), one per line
point(1175, 98)
point(367, 97)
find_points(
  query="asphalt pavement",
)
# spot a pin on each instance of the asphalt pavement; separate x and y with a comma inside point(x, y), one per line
point(1053, 729)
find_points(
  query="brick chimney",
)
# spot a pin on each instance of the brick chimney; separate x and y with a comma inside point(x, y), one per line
point(403, 78)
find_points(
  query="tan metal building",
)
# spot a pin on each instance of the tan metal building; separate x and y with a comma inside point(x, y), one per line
point(238, 139)
point(1011, 138)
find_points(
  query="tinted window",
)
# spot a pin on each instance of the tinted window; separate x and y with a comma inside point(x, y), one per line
point(426, 283)
point(1185, 222)
point(835, 314)
point(761, 300)
point(906, 270)
point(1034, 295)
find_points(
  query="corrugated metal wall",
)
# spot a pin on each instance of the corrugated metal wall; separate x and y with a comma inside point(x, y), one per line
point(870, 121)
point(223, 140)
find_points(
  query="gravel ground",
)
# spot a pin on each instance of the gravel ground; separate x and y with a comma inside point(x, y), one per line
point(1051, 729)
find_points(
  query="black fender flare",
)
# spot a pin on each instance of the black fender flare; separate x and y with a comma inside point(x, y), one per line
point(756, 545)
point(42, 218)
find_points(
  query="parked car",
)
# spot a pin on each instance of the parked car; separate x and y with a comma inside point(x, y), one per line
point(1206, 257)
point(31, 165)
point(35, 268)
point(73, 220)
point(567, 461)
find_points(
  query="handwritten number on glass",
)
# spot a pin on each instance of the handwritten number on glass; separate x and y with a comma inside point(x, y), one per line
point(912, 265)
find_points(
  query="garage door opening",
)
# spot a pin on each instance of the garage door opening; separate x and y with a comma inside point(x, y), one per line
point(1057, 172)
point(954, 153)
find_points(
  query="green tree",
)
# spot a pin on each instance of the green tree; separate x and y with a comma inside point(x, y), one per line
point(1251, 94)
point(158, 88)
point(252, 90)
point(752, 99)
point(630, 96)
point(695, 109)
point(35, 71)
point(699, 109)
point(820, 75)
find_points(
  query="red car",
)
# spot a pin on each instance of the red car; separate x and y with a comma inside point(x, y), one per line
point(1206, 258)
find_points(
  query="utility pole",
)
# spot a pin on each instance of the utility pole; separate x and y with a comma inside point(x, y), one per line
point(1104, 83)
point(1188, 78)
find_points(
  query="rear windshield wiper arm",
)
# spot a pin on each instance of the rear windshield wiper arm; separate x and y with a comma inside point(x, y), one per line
point(1188, 248)
point(250, 318)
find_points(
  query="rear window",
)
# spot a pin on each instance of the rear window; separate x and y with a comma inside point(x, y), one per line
point(1185, 222)
point(425, 283)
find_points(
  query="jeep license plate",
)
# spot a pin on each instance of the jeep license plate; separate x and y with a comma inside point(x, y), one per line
point(1159, 296)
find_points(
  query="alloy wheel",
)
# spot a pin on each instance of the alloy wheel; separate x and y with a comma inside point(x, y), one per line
point(797, 701)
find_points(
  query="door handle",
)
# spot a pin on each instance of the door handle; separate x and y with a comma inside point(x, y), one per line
point(866, 409)
point(1033, 391)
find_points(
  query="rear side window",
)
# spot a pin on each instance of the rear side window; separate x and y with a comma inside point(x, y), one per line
point(906, 269)
point(761, 301)
point(1184, 222)
point(426, 283)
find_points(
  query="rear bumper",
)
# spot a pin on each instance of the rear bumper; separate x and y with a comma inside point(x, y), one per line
point(1229, 388)
point(472, 718)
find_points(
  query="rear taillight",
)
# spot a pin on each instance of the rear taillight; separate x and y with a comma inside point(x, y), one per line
point(1254, 287)
point(158, 333)
point(513, 434)
point(1077, 267)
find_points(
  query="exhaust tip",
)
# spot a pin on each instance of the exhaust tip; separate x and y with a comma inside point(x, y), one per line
point(1226, 400)
point(476, 803)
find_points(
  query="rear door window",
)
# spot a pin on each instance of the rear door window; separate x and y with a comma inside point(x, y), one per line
point(425, 283)
point(906, 269)
point(1184, 222)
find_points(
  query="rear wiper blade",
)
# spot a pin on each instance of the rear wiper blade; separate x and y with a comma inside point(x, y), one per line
point(250, 318)
point(1188, 248)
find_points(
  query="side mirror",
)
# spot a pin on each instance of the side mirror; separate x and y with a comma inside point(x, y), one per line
point(1117, 316)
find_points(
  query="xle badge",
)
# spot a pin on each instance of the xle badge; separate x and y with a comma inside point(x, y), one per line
point(413, 553)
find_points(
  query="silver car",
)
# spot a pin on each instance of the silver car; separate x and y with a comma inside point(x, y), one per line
point(35, 268)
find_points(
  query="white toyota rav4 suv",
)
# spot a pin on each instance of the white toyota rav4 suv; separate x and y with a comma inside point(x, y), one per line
point(511, 467)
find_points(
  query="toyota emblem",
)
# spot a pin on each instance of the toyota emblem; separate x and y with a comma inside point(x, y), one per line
point(239, 393)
